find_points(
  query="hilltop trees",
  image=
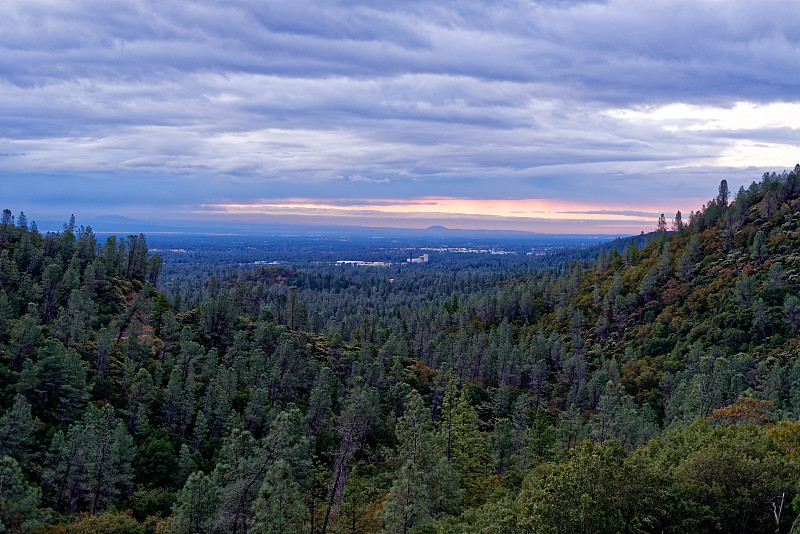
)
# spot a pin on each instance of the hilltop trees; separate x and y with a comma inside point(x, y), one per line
point(724, 193)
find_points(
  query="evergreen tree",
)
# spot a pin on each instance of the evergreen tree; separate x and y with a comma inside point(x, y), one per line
point(92, 466)
point(51, 291)
point(200, 431)
point(416, 444)
point(503, 445)
point(244, 463)
point(108, 452)
point(724, 193)
point(791, 312)
point(662, 224)
point(677, 223)
point(141, 395)
point(19, 500)
point(447, 417)
point(64, 469)
point(361, 508)
point(759, 242)
point(760, 317)
point(279, 508)
point(196, 506)
point(216, 319)
point(541, 439)
point(406, 503)
point(186, 465)
point(17, 427)
point(470, 453)
point(26, 338)
point(320, 401)
point(155, 463)
point(56, 383)
point(359, 413)
point(173, 402)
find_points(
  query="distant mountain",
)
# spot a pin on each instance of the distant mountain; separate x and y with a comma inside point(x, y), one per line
point(119, 224)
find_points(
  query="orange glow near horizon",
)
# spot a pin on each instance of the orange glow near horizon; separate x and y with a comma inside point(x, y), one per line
point(522, 214)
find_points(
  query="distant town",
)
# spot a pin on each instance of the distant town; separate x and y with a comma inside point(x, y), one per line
point(411, 259)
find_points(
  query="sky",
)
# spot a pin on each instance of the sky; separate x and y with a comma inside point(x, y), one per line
point(555, 116)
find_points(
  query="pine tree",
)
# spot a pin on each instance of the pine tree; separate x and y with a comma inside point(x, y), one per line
point(760, 317)
point(109, 453)
point(445, 433)
point(105, 348)
point(470, 454)
point(406, 503)
point(759, 242)
point(244, 463)
point(141, 395)
point(503, 444)
point(541, 439)
point(26, 338)
point(724, 193)
point(196, 506)
point(359, 412)
point(64, 469)
point(186, 465)
point(8, 271)
point(677, 223)
point(19, 500)
point(361, 509)
point(51, 292)
point(416, 444)
point(56, 383)
point(155, 463)
point(662, 224)
point(16, 431)
point(320, 401)
point(791, 312)
point(279, 508)
point(200, 431)
point(173, 400)
point(92, 465)
point(571, 428)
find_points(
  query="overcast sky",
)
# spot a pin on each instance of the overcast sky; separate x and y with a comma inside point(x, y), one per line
point(543, 116)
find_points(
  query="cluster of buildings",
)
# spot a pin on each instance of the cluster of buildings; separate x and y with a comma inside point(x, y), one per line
point(411, 259)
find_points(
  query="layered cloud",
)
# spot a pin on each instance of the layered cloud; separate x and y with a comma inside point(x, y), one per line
point(524, 214)
point(615, 102)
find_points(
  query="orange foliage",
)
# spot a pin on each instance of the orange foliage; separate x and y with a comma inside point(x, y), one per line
point(675, 292)
point(745, 411)
point(421, 372)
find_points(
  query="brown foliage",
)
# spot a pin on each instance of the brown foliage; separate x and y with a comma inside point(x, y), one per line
point(745, 411)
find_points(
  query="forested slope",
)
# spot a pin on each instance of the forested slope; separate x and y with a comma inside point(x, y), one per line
point(655, 389)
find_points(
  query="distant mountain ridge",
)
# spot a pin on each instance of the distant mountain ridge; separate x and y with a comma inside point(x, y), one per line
point(118, 224)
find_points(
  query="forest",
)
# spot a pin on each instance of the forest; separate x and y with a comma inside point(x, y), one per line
point(650, 384)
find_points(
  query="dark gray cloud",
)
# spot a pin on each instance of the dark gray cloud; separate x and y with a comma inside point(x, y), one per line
point(617, 100)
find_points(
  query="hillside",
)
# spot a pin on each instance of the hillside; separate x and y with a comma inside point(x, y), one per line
point(655, 388)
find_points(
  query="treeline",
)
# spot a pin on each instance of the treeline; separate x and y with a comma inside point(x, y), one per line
point(652, 388)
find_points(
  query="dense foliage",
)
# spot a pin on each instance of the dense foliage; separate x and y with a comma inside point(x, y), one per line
point(655, 388)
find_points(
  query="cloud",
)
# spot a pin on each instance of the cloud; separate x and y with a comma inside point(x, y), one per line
point(584, 100)
point(530, 214)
